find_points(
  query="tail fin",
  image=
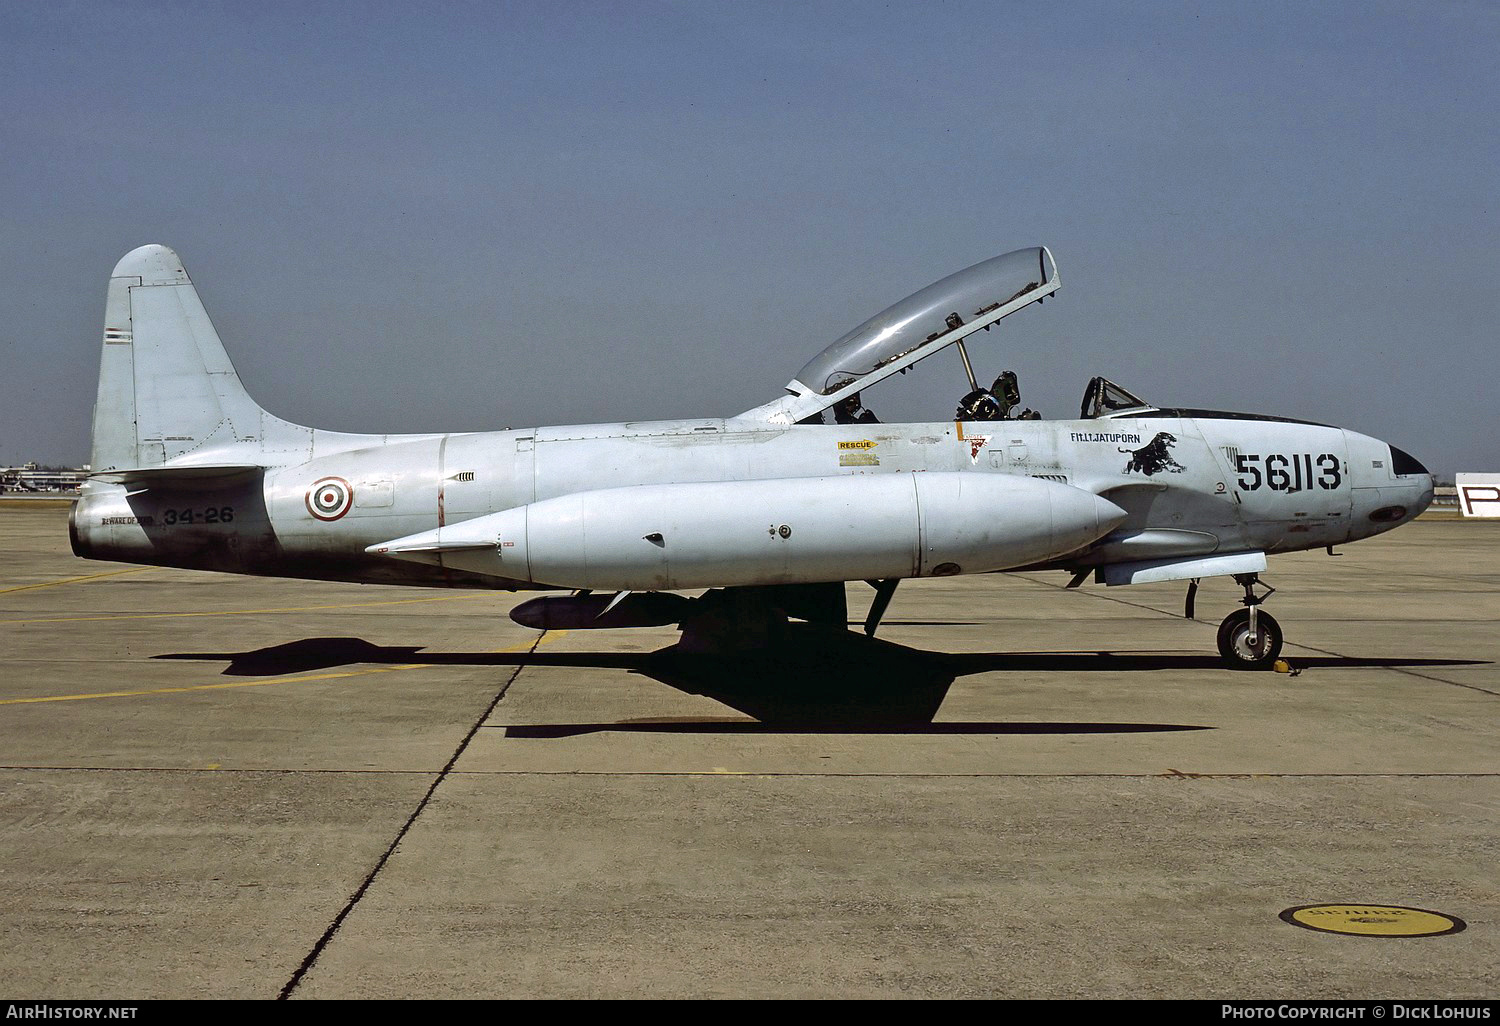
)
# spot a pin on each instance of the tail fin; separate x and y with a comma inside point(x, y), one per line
point(166, 386)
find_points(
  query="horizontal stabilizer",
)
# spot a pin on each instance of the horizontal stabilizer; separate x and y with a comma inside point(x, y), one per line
point(211, 475)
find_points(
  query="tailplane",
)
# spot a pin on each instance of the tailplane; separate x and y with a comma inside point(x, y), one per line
point(167, 391)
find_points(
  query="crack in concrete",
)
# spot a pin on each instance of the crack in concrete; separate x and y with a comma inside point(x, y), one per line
point(333, 928)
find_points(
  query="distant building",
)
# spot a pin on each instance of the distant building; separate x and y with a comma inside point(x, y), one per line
point(32, 479)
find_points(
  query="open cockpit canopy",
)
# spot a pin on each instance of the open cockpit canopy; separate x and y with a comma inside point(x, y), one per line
point(923, 323)
point(922, 319)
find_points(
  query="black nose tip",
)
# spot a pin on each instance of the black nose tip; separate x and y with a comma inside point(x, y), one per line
point(1403, 463)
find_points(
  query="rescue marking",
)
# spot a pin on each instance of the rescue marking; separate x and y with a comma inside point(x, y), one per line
point(863, 443)
point(1373, 920)
point(330, 498)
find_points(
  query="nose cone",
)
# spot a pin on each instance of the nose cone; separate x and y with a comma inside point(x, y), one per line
point(1390, 486)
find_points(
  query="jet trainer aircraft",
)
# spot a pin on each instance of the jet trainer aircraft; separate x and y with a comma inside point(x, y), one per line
point(772, 510)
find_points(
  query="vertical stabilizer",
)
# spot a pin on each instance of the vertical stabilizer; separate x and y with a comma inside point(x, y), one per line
point(167, 390)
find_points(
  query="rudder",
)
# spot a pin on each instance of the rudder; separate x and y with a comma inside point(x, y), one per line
point(166, 386)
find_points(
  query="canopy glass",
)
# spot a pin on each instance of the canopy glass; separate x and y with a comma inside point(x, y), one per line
point(923, 319)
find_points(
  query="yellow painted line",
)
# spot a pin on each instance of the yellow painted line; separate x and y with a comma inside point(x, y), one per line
point(248, 612)
point(546, 637)
point(206, 687)
point(75, 580)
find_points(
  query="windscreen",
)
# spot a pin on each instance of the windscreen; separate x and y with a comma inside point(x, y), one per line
point(923, 318)
point(1103, 397)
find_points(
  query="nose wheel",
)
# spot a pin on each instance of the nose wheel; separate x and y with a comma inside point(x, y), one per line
point(1250, 639)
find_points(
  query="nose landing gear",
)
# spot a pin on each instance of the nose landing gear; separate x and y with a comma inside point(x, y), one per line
point(1248, 638)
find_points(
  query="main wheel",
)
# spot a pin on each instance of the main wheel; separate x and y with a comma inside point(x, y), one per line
point(1234, 640)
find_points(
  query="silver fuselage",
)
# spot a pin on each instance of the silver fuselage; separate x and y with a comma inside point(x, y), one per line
point(1190, 485)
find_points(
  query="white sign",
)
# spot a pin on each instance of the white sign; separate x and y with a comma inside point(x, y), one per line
point(1479, 494)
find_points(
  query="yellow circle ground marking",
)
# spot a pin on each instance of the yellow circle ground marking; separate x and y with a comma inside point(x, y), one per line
point(1373, 920)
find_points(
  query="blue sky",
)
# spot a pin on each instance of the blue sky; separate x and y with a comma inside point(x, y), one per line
point(459, 217)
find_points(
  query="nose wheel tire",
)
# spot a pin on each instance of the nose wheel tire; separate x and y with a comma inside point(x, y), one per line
point(1236, 646)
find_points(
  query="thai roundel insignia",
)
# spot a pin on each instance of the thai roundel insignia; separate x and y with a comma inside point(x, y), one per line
point(329, 498)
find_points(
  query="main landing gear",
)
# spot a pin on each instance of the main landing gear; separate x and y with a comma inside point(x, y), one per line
point(1250, 639)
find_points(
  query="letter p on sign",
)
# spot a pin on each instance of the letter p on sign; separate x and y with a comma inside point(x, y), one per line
point(1479, 494)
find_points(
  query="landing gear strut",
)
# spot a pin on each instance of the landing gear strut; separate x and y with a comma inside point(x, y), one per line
point(1248, 638)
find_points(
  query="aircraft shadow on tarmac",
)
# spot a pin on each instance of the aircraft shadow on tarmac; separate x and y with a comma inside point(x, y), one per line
point(813, 680)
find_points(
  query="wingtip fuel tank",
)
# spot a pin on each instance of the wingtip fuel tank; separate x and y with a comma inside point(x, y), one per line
point(796, 531)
